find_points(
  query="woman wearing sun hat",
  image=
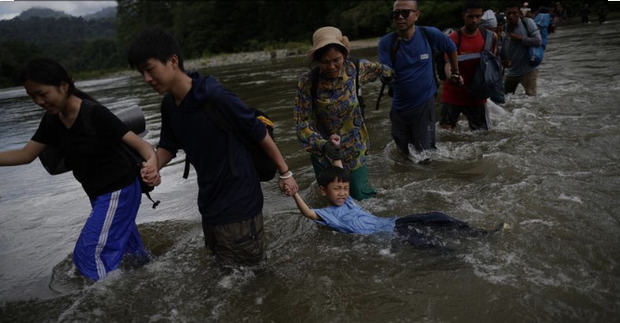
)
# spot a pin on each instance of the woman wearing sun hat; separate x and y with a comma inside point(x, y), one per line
point(329, 120)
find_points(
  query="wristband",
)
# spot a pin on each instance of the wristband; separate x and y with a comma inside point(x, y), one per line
point(287, 174)
point(284, 172)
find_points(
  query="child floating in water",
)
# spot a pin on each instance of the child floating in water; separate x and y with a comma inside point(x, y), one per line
point(344, 215)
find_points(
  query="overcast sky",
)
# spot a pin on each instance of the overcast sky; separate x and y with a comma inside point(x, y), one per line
point(9, 9)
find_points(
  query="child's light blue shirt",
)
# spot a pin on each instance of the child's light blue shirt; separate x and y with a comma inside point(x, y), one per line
point(351, 218)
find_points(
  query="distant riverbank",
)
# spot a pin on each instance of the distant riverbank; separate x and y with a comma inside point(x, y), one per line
point(264, 55)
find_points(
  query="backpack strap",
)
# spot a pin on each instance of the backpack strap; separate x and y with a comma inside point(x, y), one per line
point(430, 44)
point(458, 41)
point(527, 30)
point(488, 42)
point(219, 120)
point(488, 39)
point(394, 47)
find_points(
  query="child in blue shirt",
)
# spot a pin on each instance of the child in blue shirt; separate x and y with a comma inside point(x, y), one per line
point(344, 215)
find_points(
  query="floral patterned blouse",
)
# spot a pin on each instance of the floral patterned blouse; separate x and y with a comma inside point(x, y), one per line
point(338, 112)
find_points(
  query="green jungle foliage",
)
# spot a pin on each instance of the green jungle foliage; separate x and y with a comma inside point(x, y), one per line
point(211, 27)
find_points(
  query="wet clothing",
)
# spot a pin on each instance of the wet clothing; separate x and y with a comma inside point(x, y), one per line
point(516, 50)
point(92, 148)
point(528, 81)
point(351, 218)
point(477, 117)
point(226, 200)
point(419, 230)
point(413, 100)
point(416, 126)
point(337, 112)
point(222, 197)
point(457, 99)
point(110, 233)
point(242, 242)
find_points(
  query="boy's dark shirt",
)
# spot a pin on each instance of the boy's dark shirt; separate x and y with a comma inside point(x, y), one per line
point(222, 197)
point(92, 148)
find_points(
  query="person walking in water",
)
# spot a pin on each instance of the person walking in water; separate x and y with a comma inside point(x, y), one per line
point(230, 197)
point(409, 52)
point(91, 139)
point(521, 33)
point(328, 106)
point(457, 100)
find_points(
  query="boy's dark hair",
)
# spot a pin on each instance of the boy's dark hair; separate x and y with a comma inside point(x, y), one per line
point(332, 173)
point(153, 43)
point(472, 4)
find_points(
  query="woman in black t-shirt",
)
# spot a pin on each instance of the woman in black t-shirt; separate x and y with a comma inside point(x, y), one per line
point(90, 138)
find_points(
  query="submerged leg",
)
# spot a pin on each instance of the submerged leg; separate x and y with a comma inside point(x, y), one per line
point(426, 230)
point(105, 235)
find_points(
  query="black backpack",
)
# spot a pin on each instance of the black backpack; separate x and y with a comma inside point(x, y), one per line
point(265, 167)
point(54, 161)
point(488, 78)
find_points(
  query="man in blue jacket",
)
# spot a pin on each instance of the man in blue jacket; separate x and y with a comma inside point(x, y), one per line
point(410, 54)
point(230, 199)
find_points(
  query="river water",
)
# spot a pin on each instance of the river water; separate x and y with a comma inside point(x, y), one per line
point(550, 167)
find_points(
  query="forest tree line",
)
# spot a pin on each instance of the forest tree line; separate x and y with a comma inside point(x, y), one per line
point(206, 27)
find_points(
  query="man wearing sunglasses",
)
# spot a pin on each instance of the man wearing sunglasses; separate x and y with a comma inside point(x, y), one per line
point(409, 53)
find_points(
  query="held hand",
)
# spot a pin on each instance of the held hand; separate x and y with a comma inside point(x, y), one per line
point(288, 186)
point(150, 174)
point(457, 78)
point(335, 139)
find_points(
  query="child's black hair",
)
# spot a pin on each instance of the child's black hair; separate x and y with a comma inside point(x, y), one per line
point(49, 72)
point(332, 173)
point(153, 43)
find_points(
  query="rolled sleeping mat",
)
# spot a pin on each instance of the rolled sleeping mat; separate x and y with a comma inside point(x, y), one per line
point(53, 159)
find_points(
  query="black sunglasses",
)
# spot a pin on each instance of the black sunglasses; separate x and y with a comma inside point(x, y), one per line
point(402, 13)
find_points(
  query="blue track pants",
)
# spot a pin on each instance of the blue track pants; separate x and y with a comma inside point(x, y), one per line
point(110, 232)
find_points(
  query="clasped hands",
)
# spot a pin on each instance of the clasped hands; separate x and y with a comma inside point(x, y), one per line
point(150, 173)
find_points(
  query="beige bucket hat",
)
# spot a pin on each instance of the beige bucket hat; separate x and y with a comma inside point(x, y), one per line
point(328, 35)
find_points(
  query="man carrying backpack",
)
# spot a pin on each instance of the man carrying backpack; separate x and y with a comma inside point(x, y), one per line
point(470, 41)
point(521, 33)
point(410, 54)
point(230, 199)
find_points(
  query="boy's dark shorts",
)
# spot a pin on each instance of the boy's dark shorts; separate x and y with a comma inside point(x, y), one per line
point(238, 242)
point(476, 116)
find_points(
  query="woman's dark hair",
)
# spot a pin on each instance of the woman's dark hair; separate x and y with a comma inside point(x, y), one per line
point(49, 72)
point(316, 56)
point(153, 43)
point(332, 173)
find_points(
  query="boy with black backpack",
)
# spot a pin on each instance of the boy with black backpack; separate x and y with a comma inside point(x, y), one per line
point(197, 115)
